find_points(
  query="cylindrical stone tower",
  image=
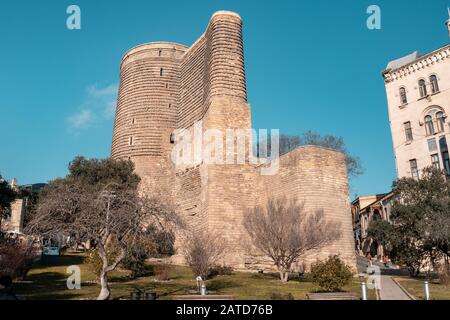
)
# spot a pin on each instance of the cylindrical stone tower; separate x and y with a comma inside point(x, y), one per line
point(146, 111)
point(226, 56)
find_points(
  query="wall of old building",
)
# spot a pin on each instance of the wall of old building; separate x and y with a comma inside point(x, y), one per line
point(317, 178)
point(435, 63)
point(14, 223)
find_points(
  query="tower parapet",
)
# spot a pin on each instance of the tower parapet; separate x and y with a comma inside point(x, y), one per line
point(226, 55)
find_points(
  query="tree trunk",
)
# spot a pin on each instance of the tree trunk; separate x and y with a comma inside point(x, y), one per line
point(284, 276)
point(105, 293)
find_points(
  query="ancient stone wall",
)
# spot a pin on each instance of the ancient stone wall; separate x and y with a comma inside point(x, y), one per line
point(317, 178)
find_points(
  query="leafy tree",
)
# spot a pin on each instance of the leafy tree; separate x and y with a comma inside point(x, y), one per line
point(420, 229)
point(290, 142)
point(99, 202)
point(380, 230)
point(284, 231)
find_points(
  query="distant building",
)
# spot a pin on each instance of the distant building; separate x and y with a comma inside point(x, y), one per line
point(366, 209)
point(418, 95)
point(15, 219)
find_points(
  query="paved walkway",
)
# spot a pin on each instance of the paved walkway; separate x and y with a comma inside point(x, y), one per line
point(390, 290)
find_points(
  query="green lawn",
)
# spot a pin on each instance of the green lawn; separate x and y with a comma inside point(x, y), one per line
point(48, 281)
point(416, 288)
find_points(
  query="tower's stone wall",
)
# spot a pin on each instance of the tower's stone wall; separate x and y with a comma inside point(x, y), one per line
point(206, 84)
point(317, 178)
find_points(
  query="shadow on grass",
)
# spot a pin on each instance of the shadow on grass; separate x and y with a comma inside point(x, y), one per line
point(47, 286)
point(60, 261)
point(219, 284)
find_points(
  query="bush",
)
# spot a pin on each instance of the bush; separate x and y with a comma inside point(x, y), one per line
point(94, 261)
point(16, 259)
point(162, 272)
point(444, 275)
point(331, 275)
point(203, 250)
point(219, 270)
point(135, 261)
point(281, 296)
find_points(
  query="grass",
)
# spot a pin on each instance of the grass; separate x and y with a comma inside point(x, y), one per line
point(415, 286)
point(48, 281)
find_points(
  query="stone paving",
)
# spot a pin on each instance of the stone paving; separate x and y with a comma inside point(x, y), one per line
point(390, 290)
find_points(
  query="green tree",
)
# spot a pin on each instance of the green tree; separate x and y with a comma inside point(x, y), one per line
point(99, 202)
point(420, 221)
point(381, 231)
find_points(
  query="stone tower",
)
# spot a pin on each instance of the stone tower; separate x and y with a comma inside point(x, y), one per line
point(166, 87)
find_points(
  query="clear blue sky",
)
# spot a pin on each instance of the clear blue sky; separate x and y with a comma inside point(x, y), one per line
point(310, 65)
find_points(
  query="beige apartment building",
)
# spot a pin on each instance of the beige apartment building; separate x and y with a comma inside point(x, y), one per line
point(418, 94)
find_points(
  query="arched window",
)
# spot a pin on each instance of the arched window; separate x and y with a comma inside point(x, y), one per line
point(422, 88)
point(376, 215)
point(440, 121)
point(429, 127)
point(403, 97)
point(434, 84)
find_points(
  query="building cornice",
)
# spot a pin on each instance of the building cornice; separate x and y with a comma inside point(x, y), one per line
point(436, 56)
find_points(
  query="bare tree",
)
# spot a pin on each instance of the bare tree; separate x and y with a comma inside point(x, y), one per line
point(109, 215)
point(203, 249)
point(284, 232)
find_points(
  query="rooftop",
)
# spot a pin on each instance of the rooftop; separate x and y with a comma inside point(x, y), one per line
point(400, 62)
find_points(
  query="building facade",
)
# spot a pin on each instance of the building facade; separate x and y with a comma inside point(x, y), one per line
point(13, 222)
point(166, 88)
point(418, 95)
point(366, 209)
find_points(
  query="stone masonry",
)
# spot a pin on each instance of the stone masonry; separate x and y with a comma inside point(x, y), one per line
point(167, 86)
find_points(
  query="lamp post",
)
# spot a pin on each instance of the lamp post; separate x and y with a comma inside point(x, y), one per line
point(364, 290)
point(427, 290)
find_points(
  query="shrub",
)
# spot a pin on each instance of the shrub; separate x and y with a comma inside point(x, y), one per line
point(162, 272)
point(331, 275)
point(281, 296)
point(219, 270)
point(135, 261)
point(94, 261)
point(444, 275)
point(202, 250)
point(16, 259)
